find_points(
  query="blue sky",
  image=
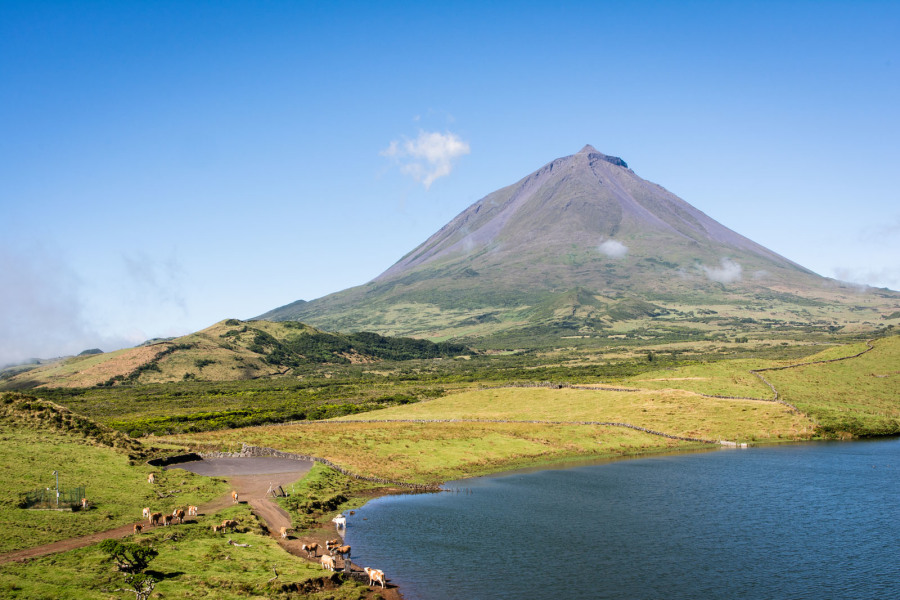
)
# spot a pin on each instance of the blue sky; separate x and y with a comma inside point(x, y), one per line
point(166, 165)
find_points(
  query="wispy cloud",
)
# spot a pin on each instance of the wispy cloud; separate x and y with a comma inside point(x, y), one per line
point(429, 156)
point(49, 310)
point(886, 277)
point(613, 249)
point(728, 272)
point(42, 311)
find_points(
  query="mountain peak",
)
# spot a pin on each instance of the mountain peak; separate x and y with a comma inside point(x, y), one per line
point(615, 160)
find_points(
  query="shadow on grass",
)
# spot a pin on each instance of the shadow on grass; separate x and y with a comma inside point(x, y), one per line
point(159, 576)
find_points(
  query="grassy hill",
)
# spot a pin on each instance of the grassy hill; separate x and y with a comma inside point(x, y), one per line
point(227, 351)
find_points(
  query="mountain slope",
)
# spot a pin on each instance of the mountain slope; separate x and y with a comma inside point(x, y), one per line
point(585, 222)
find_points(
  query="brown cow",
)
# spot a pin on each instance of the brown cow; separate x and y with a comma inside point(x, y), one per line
point(311, 550)
point(284, 532)
point(229, 523)
point(84, 504)
point(179, 514)
point(234, 496)
point(138, 528)
point(342, 551)
point(151, 478)
point(167, 520)
point(155, 517)
point(218, 528)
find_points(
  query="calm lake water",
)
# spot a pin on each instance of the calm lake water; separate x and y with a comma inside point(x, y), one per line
point(819, 520)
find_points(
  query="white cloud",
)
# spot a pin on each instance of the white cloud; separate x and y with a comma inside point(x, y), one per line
point(613, 249)
point(728, 272)
point(429, 156)
point(877, 277)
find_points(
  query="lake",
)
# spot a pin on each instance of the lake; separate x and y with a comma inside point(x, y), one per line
point(817, 520)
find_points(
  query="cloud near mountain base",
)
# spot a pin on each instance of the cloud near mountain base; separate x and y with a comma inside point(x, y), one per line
point(728, 272)
point(613, 249)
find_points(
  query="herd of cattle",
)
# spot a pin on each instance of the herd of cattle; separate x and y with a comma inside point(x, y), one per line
point(333, 548)
point(157, 518)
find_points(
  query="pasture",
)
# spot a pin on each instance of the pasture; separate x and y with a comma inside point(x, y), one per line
point(193, 562)
point(116, 489)
point(859, 396)
point(430, 452)
point(435, 452)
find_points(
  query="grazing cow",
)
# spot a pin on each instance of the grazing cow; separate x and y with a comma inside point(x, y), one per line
point(146, 513)
point(218, 528)
point(155, 517)
point(375, 576)
point(179, 514)
point(138, 528)
point(84, 504)
point(167, 520)
point(229, 524)
point(234, 496)
point(151, 478)
point(192, 511)
point(327, 562)
point(311, 550)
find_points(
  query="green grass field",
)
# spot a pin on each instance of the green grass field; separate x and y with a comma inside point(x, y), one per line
point(116, 490)
point(193, 563)
point(859, 396)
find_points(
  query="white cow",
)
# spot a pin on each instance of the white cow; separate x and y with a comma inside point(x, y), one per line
point(340, 521)
point(375, 576)
point(327, 562)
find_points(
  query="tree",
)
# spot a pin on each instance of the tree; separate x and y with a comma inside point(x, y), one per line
point(132, 559)
point(129, 558)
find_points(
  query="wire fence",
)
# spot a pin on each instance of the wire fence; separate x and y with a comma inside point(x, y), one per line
point(46, 498)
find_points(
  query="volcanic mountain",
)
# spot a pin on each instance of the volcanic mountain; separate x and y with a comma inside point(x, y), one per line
point(580, 245)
